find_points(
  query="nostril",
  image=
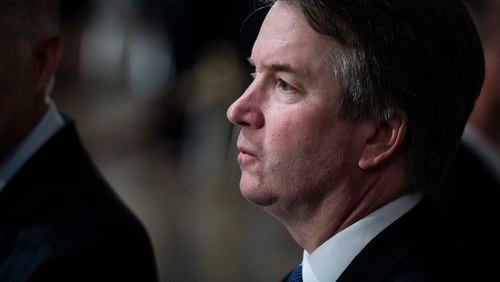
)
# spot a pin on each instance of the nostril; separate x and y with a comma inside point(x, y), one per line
point(243, 123)
point(245, 113)
point(237, 114)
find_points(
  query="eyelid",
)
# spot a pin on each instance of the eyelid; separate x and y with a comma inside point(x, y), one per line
point(293, 83)
point(280, 83)
point(278, 79)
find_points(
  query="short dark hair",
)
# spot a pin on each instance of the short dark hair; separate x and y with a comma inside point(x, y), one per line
point(30, 17)
point(422, 58)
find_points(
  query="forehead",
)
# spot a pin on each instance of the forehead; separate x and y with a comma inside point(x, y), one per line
point(286, 37)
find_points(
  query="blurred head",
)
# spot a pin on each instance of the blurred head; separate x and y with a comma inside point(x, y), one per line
point(30, 50)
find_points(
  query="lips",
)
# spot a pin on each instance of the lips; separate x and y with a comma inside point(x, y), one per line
point(246, 156)
point(245, 151)
point(248, 152)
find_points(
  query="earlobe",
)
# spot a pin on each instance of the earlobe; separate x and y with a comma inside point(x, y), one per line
point(48, 55)
point(385, 141)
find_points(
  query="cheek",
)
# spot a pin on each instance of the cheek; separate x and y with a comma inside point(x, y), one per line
point(305, 166)
point(304, 142)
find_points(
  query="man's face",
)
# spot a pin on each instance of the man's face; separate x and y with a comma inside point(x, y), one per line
point(293, 148)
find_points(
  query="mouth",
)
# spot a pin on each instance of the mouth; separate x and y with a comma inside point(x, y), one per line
point(244, 151)
point(246, 156)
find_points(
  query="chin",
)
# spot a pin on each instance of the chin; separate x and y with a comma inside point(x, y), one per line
point(257, 194)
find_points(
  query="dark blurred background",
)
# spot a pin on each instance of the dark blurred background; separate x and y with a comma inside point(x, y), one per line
point(148, 83)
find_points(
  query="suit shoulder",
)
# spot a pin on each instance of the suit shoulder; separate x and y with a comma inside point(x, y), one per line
point(416, 247)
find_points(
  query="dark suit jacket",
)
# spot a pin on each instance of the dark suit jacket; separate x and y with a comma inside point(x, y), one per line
point(469, 198)
point(415, 248)
point(60, 221)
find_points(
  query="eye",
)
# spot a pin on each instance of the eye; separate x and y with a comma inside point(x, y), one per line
point(285, 86)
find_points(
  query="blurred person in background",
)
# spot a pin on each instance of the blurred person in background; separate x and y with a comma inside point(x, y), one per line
point(343, 135)
point(166, 152)
point(470, 193)
point(59, 219)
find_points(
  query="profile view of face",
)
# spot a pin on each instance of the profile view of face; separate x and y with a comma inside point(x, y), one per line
point(293, 147)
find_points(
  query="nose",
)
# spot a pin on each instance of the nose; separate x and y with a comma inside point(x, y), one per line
point(246, 111)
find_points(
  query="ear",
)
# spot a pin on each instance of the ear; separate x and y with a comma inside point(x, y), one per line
point(48, 55)
point(386, 138)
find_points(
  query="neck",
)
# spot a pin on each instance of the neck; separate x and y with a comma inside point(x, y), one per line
point(343, 208)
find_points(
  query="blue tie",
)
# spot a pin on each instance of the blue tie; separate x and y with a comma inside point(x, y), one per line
point(296, 274)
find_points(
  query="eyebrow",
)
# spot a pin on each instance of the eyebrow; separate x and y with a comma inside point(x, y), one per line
point(278, 67)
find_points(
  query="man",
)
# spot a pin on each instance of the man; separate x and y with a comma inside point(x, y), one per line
point(354, 113)
point(471, 189)
point(59, 220)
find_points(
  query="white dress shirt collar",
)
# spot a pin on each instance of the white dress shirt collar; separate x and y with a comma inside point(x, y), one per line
point(487, 152)
point(329, 260)
point(51, 122)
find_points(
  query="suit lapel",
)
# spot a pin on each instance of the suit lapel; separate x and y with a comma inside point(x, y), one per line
point(382, 254)
point(30, 189)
